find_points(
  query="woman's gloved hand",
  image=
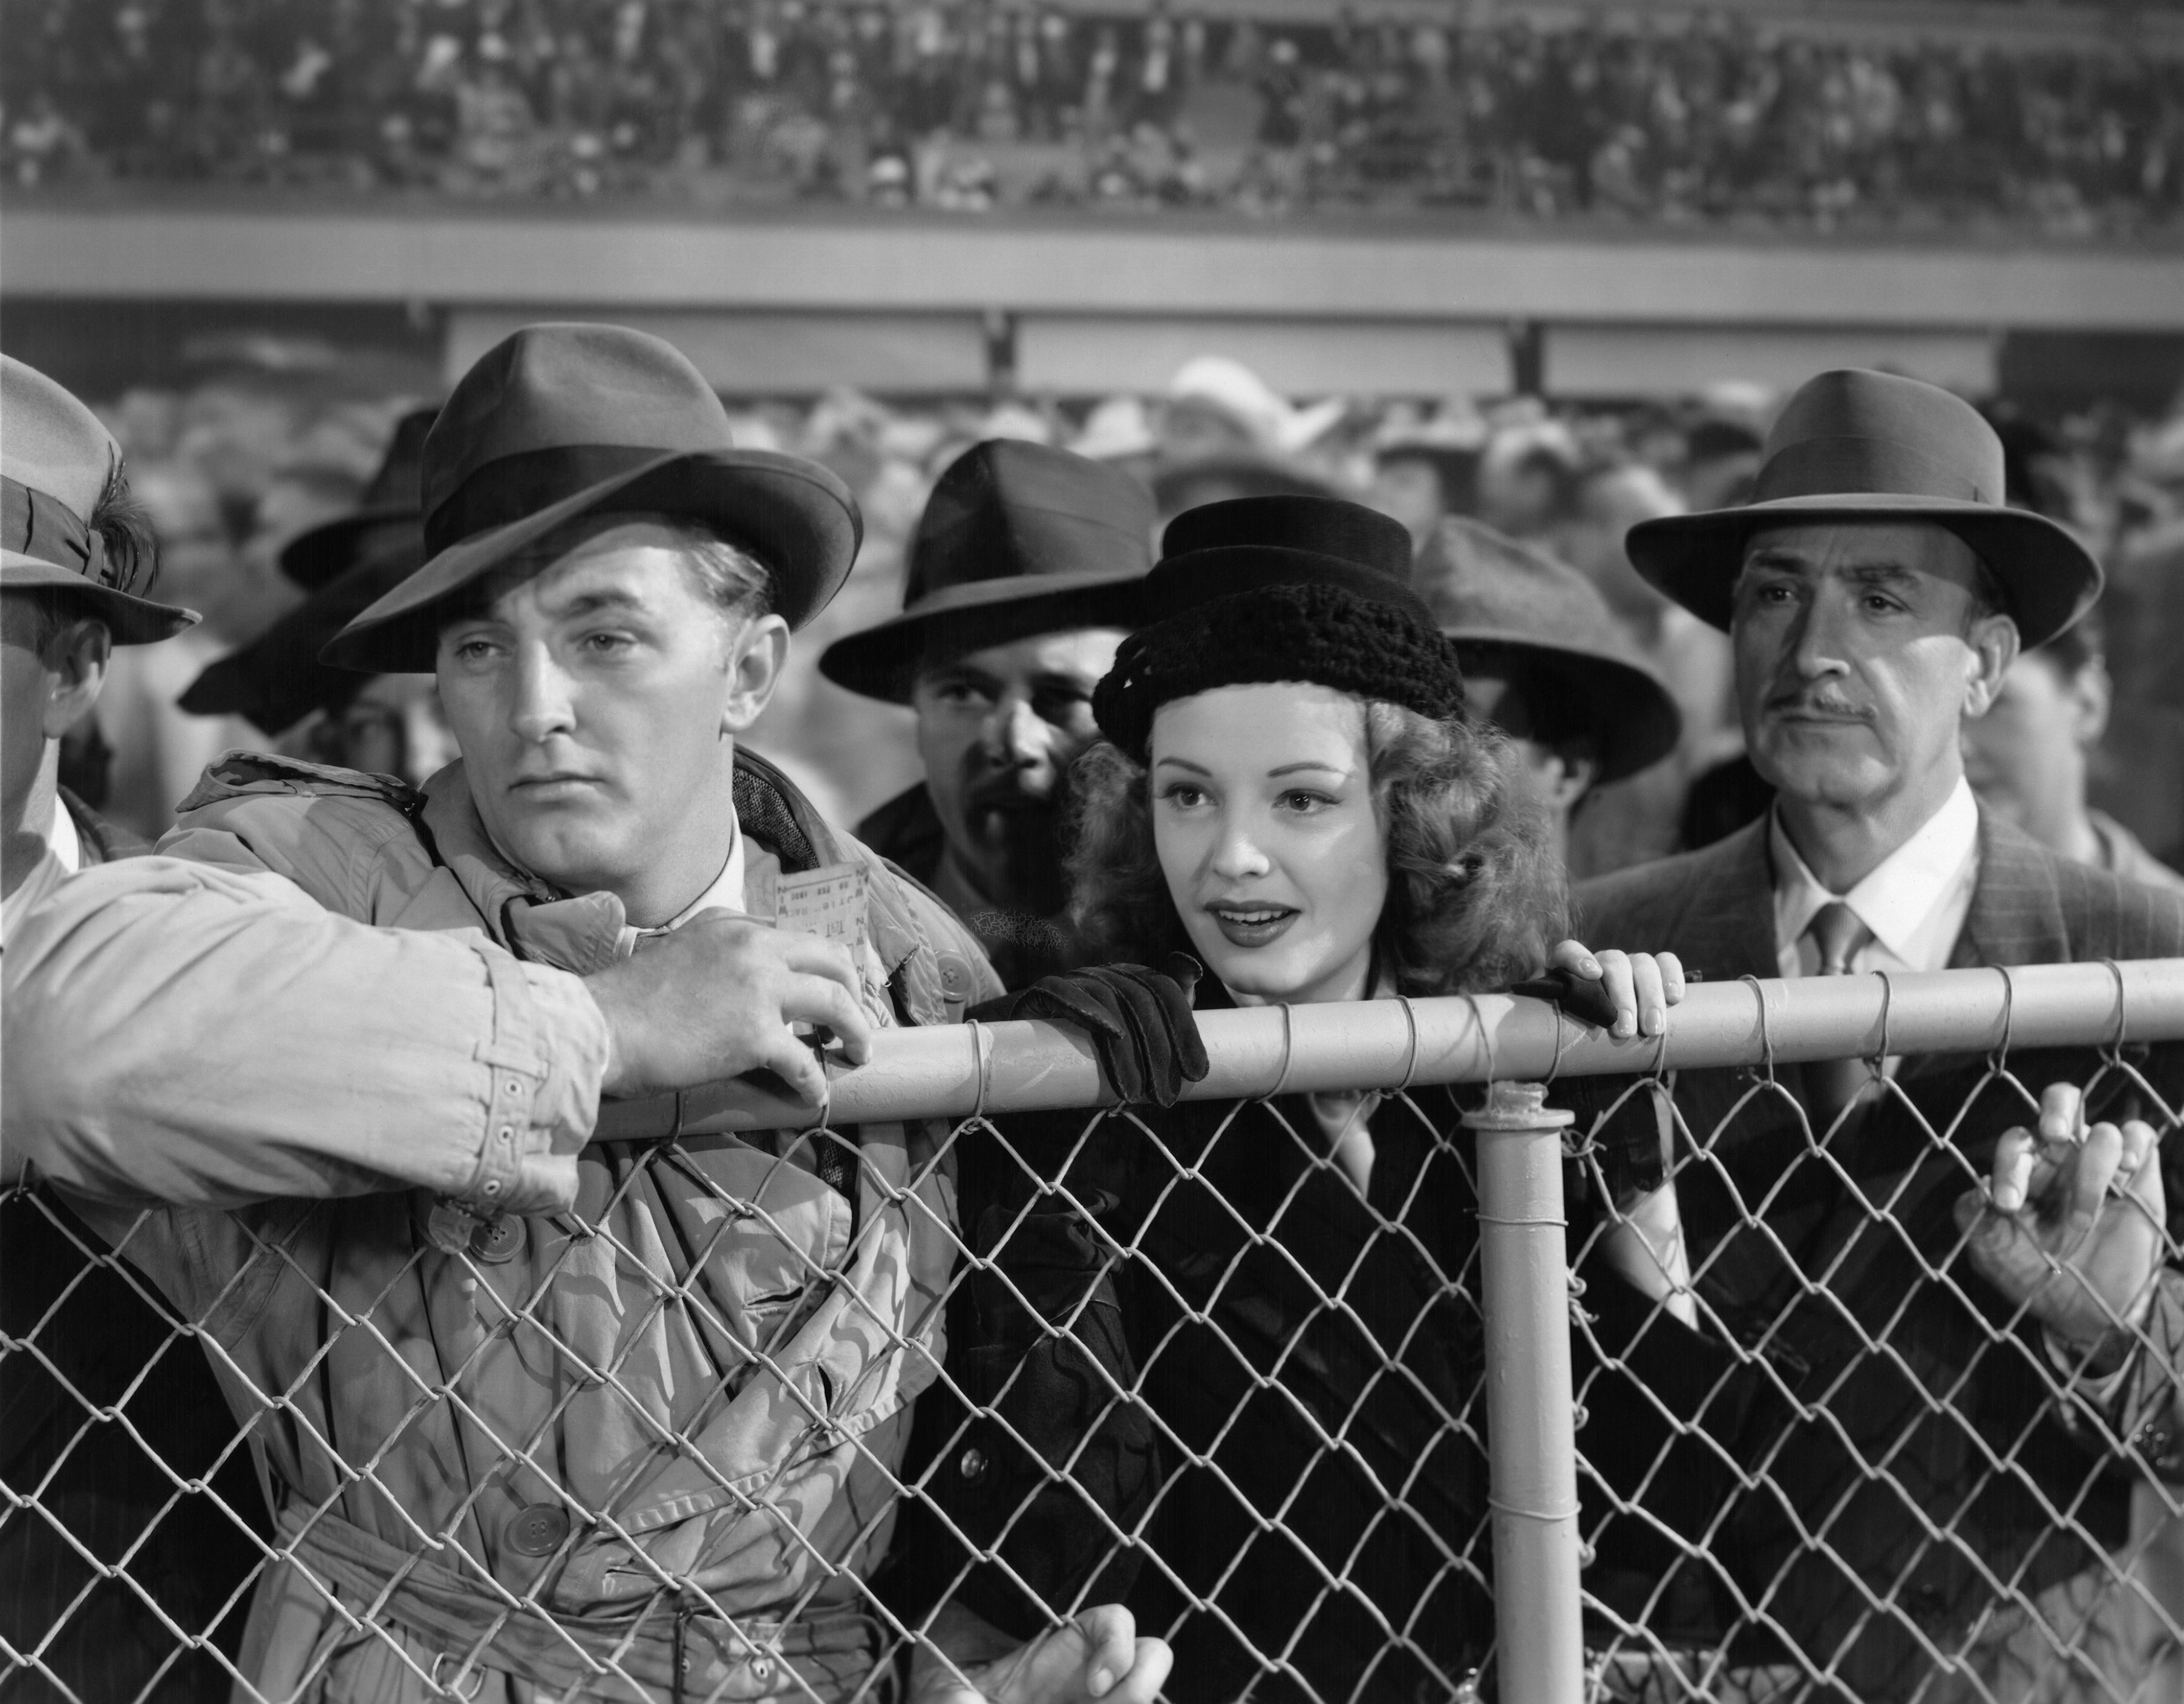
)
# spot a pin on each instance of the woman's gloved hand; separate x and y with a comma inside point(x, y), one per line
point(1139, 1019)
point(1626, 993)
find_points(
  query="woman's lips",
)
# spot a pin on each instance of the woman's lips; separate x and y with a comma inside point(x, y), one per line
point(1251, 926)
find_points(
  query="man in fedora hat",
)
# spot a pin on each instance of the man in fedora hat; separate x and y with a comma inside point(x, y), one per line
point(77, 560)
point(564, 1392)
point(1545, 660)
point(1914, 1434)
point(1025, 574)
point(387, 724)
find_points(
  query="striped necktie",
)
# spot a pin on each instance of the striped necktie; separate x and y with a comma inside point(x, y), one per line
point(1833, 1085)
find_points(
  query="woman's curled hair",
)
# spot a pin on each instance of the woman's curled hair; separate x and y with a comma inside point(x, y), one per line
point(1476, 896)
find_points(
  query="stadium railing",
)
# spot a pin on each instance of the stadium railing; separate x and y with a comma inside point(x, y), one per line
point(1890, 1484)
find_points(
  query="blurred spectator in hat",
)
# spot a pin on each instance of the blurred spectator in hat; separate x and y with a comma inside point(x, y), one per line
point(1024, 577)
point(1218, 478)
point(98, 1412)
point(387, 724)
point(1216, 405)
point(1544, 660)
point(2027, 758)
point(1424, 471)
point(1525, 475)
point(1641, 818)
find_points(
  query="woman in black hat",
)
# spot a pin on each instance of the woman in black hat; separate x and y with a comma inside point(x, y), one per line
point(1295, 794)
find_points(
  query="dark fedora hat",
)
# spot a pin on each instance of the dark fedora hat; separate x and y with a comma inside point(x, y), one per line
point(1502, 602)
point(277, 679)
point(1255, 589)
point(1016, 538)
point(1852, 446)
point(392, 508)
point(56, 461)
point(556, 421)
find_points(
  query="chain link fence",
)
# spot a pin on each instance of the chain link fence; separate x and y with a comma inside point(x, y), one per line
point(1355, 1381)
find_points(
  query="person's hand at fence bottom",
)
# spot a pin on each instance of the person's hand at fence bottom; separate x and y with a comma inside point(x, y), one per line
point(1139, 1022)
point(1097, 1655)
point(2069, 1226)
point(1626, 993)
point(715, 999)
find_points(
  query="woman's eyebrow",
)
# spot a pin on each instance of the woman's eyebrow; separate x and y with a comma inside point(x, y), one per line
point(1324, 769)
point(1183, 763)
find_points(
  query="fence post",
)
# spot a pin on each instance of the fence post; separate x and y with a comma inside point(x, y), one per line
point(1531, 1439)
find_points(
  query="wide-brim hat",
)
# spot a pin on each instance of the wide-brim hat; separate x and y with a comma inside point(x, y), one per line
point(1852, 446)
point(391, 508)
point(55, 462)
point(1496, 598)
point(557, 422)
point(1018, 538)
point(277, 679)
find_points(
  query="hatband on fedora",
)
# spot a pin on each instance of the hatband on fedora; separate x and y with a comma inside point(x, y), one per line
point(1018, 538)
point(1502, 601)
point(56, 461)
point(559, 421)
point(1853, 445)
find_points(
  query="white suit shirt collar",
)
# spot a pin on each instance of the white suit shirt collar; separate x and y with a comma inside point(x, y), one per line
point(1915, 901)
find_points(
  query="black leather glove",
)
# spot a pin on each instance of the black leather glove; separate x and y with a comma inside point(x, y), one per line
point(1140, 1021)
point(1576, 996)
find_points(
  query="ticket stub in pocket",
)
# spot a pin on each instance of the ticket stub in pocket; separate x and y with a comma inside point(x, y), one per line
point(828, 902)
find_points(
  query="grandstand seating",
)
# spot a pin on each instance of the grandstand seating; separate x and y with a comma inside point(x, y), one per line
point(1958, 116)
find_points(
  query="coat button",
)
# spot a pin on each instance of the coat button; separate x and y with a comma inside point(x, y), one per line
point(955, 977)
point(498, 1240)
point(538, 1531)
point(971, 1463)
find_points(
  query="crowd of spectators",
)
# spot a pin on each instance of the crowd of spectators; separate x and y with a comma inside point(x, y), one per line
point(236, 463)
point(970, 106)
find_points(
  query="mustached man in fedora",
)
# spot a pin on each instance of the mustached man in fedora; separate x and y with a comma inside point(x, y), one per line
point(1919, 1395)
point(1025, 574)
point(1545, 660)
point(77, 561)
point(556, 1404)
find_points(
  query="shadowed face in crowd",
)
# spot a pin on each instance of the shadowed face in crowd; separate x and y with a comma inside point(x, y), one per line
point(596, 696)
point(1264, 820)
point(1860, 649)
point(997, 730)
point(2027, 756)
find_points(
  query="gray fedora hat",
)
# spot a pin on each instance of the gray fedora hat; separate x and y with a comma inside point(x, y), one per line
point(1852, 446)
point(1016, 538)
point(1496, 598)
point(56, 461)
point(556, 422)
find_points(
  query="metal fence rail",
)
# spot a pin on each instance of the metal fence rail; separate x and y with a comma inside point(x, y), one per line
point(1355, 1382)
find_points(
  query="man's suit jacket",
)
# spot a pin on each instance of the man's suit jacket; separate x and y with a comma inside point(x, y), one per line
point(1900, 1418)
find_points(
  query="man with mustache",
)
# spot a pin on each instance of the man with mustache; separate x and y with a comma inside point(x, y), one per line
point(1024, 576)
point(1913, 1393)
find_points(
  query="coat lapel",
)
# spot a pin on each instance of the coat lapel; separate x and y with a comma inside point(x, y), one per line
point(1727, 928)
point(2017, 914)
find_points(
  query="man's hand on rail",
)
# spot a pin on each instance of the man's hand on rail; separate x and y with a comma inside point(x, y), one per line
point(2069, 1225)
point(1096, 1656)
point(1626, 993)
point(1139, 1022)
point(715, 999)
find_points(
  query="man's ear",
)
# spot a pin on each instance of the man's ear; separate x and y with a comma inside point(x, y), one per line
point(2091, 696)
point(1994, 646)
point(756, 654)
point(1575, 772)
point(76, 659)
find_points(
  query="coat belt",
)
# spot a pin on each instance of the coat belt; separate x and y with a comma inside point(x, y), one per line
point(677, 1647)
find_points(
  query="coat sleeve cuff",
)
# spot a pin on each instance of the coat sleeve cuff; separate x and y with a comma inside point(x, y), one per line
point(544, 1064)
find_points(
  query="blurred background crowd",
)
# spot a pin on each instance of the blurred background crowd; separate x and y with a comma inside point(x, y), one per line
point(274, 436)
point(1662, 114)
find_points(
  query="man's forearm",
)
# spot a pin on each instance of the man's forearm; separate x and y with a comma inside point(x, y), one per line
point(176, 1033)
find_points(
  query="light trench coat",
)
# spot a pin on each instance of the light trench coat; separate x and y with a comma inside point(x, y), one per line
point(649, 1440)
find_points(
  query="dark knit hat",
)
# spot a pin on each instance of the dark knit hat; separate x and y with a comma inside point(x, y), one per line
point(1264, 589)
